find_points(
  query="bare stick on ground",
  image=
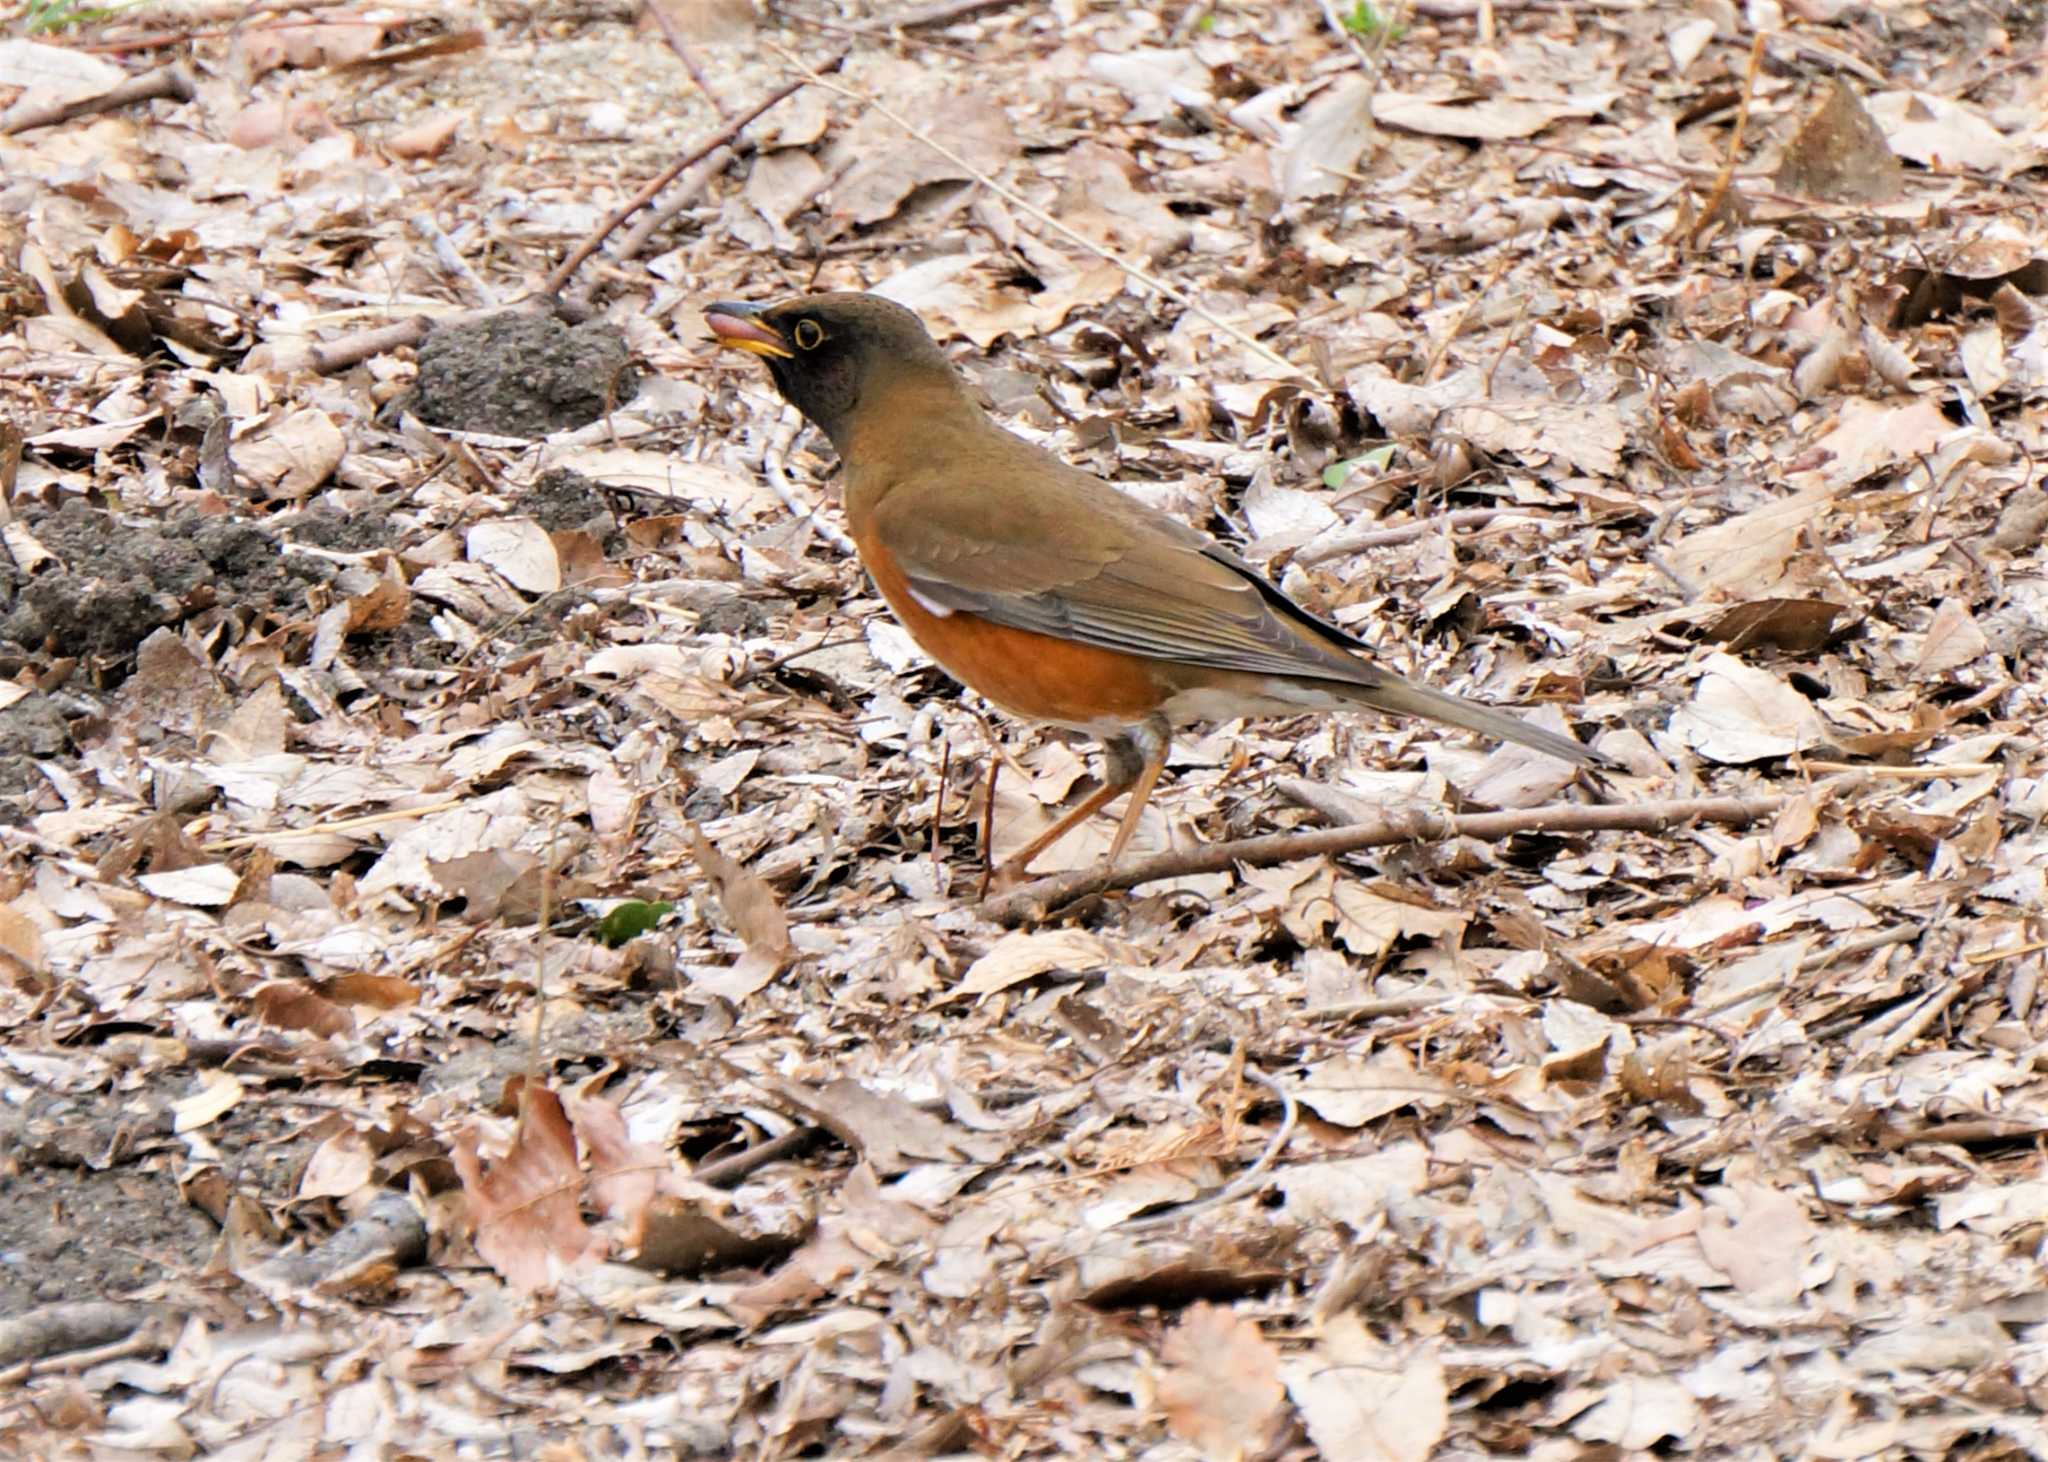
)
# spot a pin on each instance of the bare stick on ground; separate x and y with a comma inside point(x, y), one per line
point(63, 1329)
point(1035, 900)
point(1365, 537)
point(165, 81)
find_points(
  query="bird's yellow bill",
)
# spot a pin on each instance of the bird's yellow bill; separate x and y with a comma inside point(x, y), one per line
point(736, 333)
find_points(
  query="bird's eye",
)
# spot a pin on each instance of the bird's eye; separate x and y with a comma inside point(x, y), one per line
point(809, 334)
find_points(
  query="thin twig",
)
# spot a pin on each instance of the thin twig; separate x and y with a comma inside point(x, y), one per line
point(942, 13)
point(1993, 956)
point(727, 1172)
point(165, 81)
point(552, 285)
point(1457, 326)
point(1906, 774)
point(672, 33)
point(1913, 1028)
point(1024, 205)
point(452, 260)
point(686, 193)
point(1037, 899)
point(1386, 1005)
point(1719, 192)
point(1368, 57)
point(326, 829)
point(326, 358)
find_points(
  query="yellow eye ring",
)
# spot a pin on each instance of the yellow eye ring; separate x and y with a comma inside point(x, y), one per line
point(808, 334)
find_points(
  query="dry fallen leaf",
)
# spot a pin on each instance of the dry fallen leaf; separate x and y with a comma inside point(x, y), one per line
point(1366, 1402)
point(1219, 1383)
point(525, 1205)
point(1742, 713)
point(753, 908)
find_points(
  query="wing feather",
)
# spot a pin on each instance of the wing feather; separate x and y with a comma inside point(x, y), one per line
point(1076, 559)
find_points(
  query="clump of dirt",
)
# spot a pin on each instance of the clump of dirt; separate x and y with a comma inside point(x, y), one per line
point(31, 729)
point(33, 726)
point(561, 500)
point(520, 374)
point(340, 532)
point(121, 579)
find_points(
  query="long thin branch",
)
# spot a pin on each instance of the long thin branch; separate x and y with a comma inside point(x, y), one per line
point(673, 33)
point(563, 271)
point(165, 81)
point(1018, 201)
point(1035, 900)
point(684, 195)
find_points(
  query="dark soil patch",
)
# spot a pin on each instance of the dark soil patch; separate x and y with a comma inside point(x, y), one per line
point(519, 374)
point(30, 729)
point(121, 579)
point(340, 532)
point(81, 1215)
point(562, 501)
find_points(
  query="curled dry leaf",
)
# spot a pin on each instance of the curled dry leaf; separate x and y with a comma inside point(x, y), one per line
point(291, 456)
point(218, 1094)
point(206, 885)
point(21, 942)
point(428, 137)
point(307, 45)
point(1157, 81)
point(1483, 119)
point(1027, 953)
point(289, 1005)
point(518, 548)
point(1953, 640)
point(1839, 153)
point(887, 1131)
point(1946, 135)
point(1324, 146)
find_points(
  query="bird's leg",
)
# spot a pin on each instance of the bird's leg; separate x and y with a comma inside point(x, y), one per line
point(1121, 766)
point(1133, 760)
point(1150, 741)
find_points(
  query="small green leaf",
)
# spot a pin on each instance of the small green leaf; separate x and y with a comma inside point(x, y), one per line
point(629, 919)
point(1337, 474)
point(1366, 20)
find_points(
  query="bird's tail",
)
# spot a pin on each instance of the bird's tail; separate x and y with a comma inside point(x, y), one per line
point(1404, 698)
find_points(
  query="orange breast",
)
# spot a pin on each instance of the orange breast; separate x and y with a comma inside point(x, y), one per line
point(1038, 677)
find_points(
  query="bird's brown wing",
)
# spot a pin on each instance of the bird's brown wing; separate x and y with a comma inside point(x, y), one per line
point(1038, 545)
point(1063, 553)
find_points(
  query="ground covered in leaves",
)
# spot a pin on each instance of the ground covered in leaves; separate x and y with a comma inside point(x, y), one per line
point(489, 902)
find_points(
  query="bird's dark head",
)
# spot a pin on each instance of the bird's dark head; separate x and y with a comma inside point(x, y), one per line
point(831, 354)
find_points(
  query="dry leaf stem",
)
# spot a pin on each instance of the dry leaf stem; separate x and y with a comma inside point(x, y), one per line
point(1719, 193)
